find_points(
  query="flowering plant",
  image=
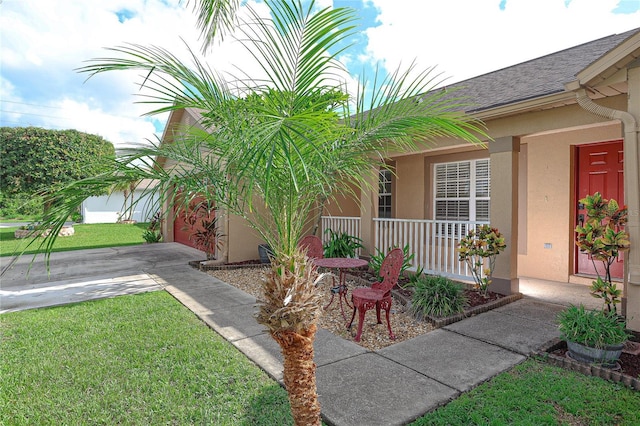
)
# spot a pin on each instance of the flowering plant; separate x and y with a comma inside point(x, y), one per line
point(602, 237)
point(479, 249)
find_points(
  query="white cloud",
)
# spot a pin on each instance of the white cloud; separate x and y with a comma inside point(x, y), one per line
point(465, 38)
point(44, 41)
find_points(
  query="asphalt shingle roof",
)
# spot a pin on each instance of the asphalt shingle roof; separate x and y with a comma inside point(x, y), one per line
point(535, 78)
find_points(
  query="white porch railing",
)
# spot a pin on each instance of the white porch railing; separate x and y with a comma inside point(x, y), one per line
point(432, 242)
point(350, 225)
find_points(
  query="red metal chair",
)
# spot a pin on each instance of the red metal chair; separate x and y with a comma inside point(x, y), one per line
point(379, 294)
point(313, 246)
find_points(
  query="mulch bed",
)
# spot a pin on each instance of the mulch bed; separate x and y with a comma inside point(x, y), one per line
point(476, 302)
point(375, 337)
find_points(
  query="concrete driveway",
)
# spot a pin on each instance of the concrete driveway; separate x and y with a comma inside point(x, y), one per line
point(75, 276)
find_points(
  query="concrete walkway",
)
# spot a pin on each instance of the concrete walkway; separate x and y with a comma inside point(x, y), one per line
point(390, 387)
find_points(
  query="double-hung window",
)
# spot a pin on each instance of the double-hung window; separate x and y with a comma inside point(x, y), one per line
point(462, 190)
point(384, 194)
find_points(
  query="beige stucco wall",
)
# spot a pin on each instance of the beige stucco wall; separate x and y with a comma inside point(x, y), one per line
point(244, 242)
point(550, 197)
point(546, 193)
point(408, 187)
point(343, 205)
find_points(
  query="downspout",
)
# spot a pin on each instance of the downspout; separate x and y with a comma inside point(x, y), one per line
point(631, 179)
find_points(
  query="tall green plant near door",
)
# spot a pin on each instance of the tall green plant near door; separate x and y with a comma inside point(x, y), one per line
point(603, 238)
point(479, 249)
point(281, 142)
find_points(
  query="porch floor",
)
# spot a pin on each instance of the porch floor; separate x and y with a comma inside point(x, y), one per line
point(558, 292)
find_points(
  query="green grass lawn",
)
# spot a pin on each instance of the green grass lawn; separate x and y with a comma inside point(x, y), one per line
point(142, 359)
point(86, 236)
point(535, 393)
point(146, 359)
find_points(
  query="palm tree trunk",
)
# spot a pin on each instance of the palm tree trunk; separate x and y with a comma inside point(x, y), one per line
point(300, 374)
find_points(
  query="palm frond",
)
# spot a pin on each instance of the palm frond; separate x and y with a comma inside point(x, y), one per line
point(215, 18)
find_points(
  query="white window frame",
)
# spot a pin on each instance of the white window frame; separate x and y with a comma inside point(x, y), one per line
point(473, 197)
point(385, 176)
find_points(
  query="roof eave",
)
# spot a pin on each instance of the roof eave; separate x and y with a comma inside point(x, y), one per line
point(530, 105)
point(611, 62)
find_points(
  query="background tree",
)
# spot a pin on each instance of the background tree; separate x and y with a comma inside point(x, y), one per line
point(276, 146)
point(36, 161)
point(128, 190)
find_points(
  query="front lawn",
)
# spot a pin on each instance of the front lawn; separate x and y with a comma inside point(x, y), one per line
point(86, 236)
point(146, 359)
point(142, 359)
point(535, 393)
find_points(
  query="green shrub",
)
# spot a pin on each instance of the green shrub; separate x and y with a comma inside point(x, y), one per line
point(596, 329)
point(437, 296)
point(341, 244)
point(20, 205)
point(76, 217)
point(376, 260)
point(151, 236)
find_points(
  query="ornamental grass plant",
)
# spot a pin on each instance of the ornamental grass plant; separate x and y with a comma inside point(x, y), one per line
point(596, 329)
point(437, 296)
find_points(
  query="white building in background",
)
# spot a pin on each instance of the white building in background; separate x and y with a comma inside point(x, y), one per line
point(109, 208)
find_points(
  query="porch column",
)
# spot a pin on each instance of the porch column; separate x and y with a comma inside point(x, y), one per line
point(631, 301)
point(368, 211)
point(504, 211)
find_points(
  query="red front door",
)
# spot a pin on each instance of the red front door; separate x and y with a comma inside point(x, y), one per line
point(599, 170)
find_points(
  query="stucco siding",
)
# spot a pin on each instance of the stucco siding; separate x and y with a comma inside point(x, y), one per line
point(550, 198)
point(409, 187)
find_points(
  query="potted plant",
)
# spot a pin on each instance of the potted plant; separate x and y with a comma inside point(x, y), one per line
point(265, 252)
point(602, 237)
point(596, 336)
point(479, 249)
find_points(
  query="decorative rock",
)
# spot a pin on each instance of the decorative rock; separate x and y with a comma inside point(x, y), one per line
point(24, 233)
point(65, 231)
point(585, 369)
point(616, 376)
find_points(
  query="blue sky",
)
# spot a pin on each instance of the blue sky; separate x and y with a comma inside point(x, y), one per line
point(42, 42)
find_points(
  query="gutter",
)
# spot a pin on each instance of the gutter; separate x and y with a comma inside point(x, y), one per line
point(631, 146)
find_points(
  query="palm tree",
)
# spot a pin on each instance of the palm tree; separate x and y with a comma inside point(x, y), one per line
point(269, 150)
point(128, 192)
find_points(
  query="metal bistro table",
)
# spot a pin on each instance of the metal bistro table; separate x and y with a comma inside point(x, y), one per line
point(342, 264)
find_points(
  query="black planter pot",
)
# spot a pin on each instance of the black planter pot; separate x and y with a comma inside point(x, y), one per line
point(265, 253)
